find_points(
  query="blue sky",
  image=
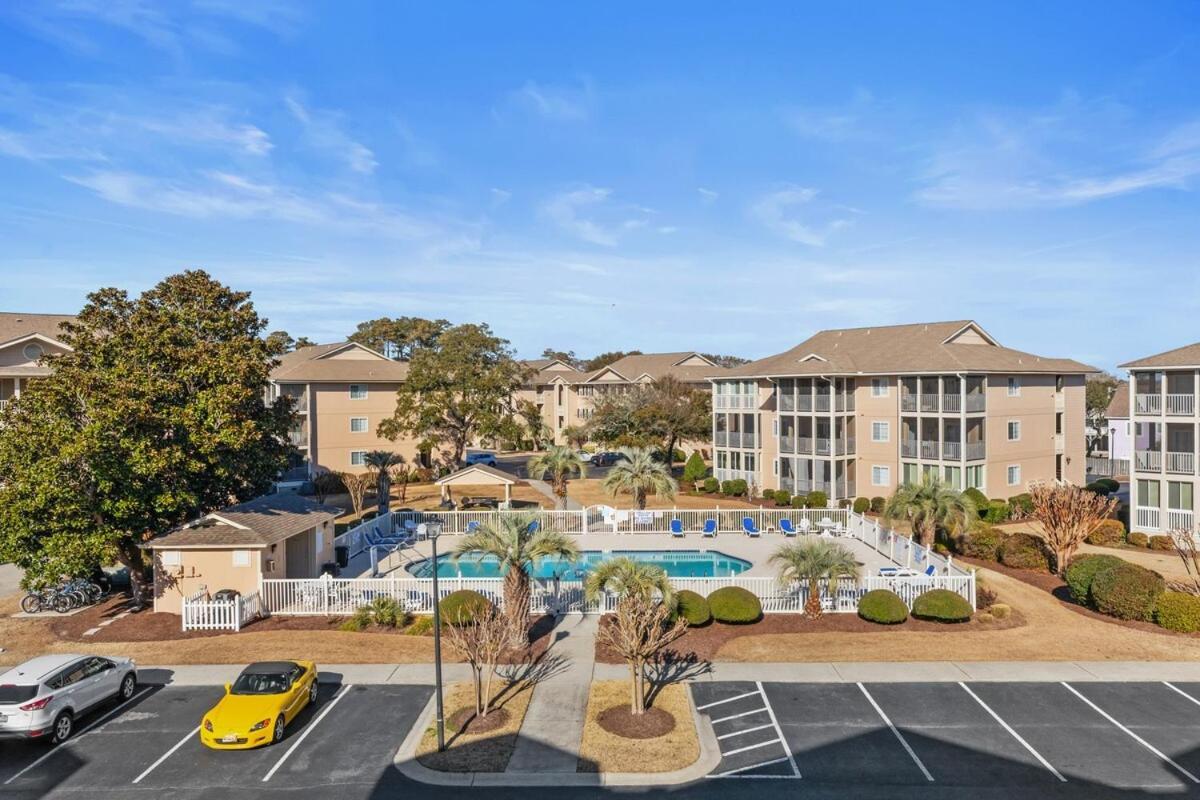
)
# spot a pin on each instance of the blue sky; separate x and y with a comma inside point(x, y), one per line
point(660, 176)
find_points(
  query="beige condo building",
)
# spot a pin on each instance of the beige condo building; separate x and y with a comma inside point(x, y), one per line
point(860, 411)
point(24, 340)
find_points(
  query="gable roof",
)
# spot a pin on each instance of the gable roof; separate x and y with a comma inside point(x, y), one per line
point(658, 365)
point(486, 475)
point(1186, 356)
point(547, 369)
point(956, 346)
point(318, 364)
point(1118, 407)
point(260, 522)
point(16, 325)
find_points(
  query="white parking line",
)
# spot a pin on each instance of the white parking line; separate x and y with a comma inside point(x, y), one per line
point(896, 731)
point(76, 737)
point(1132, 735)
point(726, 700)
point(735, 716)
point(748, 730)
point(735, 773)
point(186, 738)
point(1175, 688)
point(1014, 734)
point(778, 730)
point(750, 747)
point(300, 739)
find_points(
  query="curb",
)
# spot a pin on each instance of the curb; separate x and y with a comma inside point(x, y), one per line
point(406, 762)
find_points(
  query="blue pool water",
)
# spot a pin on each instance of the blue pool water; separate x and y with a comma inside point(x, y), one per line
point(677, 563)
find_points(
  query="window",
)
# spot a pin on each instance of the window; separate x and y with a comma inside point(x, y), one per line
point(1014, 475)
point(880, 431)
point(33, 351)
point(954, 477)
point(975, 477)
point(358, 424)
point(1179, 496)
point(879, 387)
point(1014, 386)
point(1014, 430)
point(358, 391)
point(881, 476)
point(170, 558)
point(241, 558)
point(1147, 494)
point(358, 458)
point(912, 473)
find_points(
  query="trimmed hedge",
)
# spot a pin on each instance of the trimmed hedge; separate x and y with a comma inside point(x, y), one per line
point(1083, 570)
point(1110, 484)
point(1108, 532)
point(978, 499)
point(941, 605)
point(799, 501)
point(693, 608)
point(1021, 503)
point(712, 485)
point(1161, 543)
point(462, 607)
point(1127, 591)
point(783, 497)
point(1096, 487)
point(1137, 539)
point(734, 605)
point(695, 470)
point(1178, 611)
point(818, 500)
point(878, 504)
point(882, 606)
point(983, 542)
point(1025, 551)
point(861, 505)
point(997, 511)
point(734, 488)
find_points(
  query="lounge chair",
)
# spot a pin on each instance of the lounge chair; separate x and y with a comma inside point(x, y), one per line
point(710, 527)
point(749, 527)
point(472, 526)
point(806, 525)
point(533, 526)
point(931, 570)
point(786, 526)
point(677, 528)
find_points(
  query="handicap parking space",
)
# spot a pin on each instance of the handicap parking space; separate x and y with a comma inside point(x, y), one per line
point(751, 743)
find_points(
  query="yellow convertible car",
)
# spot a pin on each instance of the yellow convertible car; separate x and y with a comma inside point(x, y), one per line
point(258, 706)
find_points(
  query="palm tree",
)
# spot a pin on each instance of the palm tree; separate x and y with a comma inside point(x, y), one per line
point(559, 463)
point(381, 462)
point(627, 577)
point(517, 543)
point(928, 505)
point(813, 561)
point(640, 474)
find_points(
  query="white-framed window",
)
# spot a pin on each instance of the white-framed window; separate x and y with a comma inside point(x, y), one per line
point(975, 479)
point(359, 425)
point(881, 431)
point(170, 558)
point(879, 387)
point(1014, 474)
point(881, 475)
point(241, 558)
point(358, 391)
point(1014, 430)
point(33, 351)
point(1014, 386)
point(358, 458)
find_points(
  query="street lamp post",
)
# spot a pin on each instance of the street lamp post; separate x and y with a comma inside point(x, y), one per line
point(433, 530)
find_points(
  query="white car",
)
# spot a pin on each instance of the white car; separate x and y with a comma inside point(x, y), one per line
point(487, 459)
point(584, 456)
point(44, 696)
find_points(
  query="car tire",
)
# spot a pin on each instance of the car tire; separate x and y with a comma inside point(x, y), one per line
point(312, 693)
point(128, 687)
point(63, 727)
point(277, 731)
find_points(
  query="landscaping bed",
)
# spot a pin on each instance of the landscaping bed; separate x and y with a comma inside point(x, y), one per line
point(663, 740)
point(477, 745)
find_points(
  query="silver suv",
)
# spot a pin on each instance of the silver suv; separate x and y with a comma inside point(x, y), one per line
point(44, 696)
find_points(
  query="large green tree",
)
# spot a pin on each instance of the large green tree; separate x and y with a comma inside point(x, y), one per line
point(155, 416)
point(400, 337)
point(663, 413)
point(458, 391)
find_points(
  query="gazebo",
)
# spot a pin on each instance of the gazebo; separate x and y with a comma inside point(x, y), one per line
point(477, 475)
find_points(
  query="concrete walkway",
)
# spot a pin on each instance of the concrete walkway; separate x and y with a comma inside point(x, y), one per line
point(551, 734)
point(546, 489)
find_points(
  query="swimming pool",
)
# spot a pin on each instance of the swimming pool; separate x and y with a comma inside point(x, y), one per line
point(676, 563)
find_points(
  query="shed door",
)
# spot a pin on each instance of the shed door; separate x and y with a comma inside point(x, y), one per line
point(301, 556)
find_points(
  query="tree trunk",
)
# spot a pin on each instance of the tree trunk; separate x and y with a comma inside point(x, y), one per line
point(633, 687)
point(480, 710)
point(927, 532)
point(404, 488)
point(671, 451)
point(639, 496)
point(641, 688)
point(812, 606)
point(130, 557)
point(516, 599)
point(487, 689)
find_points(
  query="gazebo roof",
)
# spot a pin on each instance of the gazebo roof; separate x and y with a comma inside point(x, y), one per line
point(478, 475)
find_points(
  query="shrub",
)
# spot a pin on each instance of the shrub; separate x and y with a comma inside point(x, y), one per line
point(985, 597)
point(422, 626)
point(1021, 505)
point(386, 612)
point(734, 488)
point(1110, 484)
point(1083, 570)
point(845, 502)
point(1178, 611)
point(1108, 532)
point(983, 542)
point(799, 501)
point(734, 605)
point(1000, 610)
point(1127, 591)
point(941, 605)
point(694, 470)
point(1098, 488)
point(878, 504)
point(1138, 539)
point(461, 607)
point(1025, 551)
point(861, 505)
point(783, 497)
point(693, 608)
point(978, 499)
point(1162, 543)
point(882, 606)
point(997, 511)
point(818, 500)
point(711, 485)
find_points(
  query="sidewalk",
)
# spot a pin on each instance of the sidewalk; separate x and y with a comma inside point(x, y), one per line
point(546, 489)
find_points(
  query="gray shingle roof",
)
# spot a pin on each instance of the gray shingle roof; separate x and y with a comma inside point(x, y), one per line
point(263, 521)
point(15, 325)
point(1118, 407)
point(1186, 356)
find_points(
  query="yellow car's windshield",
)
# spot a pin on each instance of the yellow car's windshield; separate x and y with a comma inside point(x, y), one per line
point(260, 684)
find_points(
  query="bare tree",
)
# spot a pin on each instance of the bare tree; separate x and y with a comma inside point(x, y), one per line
point(1068, 514)
point(356, 487)
point(481, 642)
point(639, 631)
point(1185, 546)
point(401, 474)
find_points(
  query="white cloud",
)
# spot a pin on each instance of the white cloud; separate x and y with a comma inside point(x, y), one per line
point(563, 209)
point(848, 121)
point(500, 196)
point(557, 103)
point(708, 196)
point(323, 132)
point(776, 211)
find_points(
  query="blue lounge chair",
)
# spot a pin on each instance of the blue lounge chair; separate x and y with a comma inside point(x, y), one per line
point(786, 526)
point(472, 526)
point(533, 526)
point(677, 528)
point(931, 570)
point(710, 527)
point(749, 527)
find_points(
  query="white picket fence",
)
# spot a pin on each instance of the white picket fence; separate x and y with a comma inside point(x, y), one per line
point(201, 613)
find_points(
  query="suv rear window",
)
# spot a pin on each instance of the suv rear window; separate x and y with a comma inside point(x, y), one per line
point(11, 693)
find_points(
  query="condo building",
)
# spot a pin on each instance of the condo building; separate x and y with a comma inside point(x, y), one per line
point(24, 340)
point(860, 411)
point(1162, 401)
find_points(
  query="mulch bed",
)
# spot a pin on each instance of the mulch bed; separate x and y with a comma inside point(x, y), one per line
point(649, 725)
point(465, 721)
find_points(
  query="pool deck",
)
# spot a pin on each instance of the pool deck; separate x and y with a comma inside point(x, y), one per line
point(755, 550)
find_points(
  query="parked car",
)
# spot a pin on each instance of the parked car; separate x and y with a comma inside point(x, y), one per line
point(257, 707)
point(44, 697)
point(584, 456)
point(606, 459)
point(487, 459)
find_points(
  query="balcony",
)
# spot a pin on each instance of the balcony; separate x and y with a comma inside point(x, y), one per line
point(822, 403)
point(298, 438)
point(787, 402)
point(299, 402)
point(1147, 518)
point(929, 450)
point(1148, 404)
point(908, 402)
point(787, 444)
point(951, 403)
point(845, 447)
point(822, 446)
point(735, 474)
point(721, 438)
point(1148, 460)
point(4, 404)
point(976, 403)
point(976, 451)
point(1178, 519)
point(1181, 463)
point(733, 401)
point(908, 448)
point(851, 489)
point(929, 402)
point(1181, 405)
point(952, 451)
point(804, 404)
point(804, 445)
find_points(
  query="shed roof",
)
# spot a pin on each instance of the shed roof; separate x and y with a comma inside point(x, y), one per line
point(260, 522)
point(480, 475)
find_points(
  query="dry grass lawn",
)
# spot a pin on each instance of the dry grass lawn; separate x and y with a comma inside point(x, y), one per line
point(483, 752)
point(602, 751)
point(1164, 562)
point(589, 492)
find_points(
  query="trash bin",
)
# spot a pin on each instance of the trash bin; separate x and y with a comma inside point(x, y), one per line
point(342, 553)
point(330, 569)
point(225, 595)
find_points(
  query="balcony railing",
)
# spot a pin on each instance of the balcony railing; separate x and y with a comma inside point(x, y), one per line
point(908, 449)
point(3, 404)
point(299, 402)
point(908, 402)
point(725, 401)
point(929, 402)
point(845, 447)
point(976, 451)
point(1179, 519)
point(1181, 405)
point(721, 438)
point(951, 403)
point(298, 438)
point(1148, 404)
point(952, 451)
point(787, 402)
point(1147, 518)
point(822, 446)
point(822, 402)
point(1060, 401)
point(1181, 463)
point(734, 474)
point(1148, 460)
point(929, 450)
point(976, 402)
point(804, 445)
point(850, 402)
point(804, 403)
point(787, 444)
